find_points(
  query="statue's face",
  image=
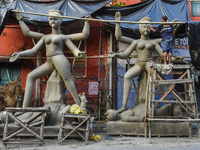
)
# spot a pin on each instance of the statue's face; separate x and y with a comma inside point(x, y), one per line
point(55, 22)
point(145, 28)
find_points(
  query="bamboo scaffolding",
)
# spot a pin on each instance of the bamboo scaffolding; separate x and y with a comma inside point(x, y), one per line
point(190, 104)
point(169, 90)
point(99, 20)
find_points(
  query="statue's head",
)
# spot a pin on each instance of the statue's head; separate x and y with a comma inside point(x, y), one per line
point(145, 28)
point(111, 114)
point(55, 22)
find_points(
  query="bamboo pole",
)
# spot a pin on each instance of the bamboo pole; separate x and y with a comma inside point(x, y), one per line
point(146, 106)
point(99, 20)
point(86, 57)
point(175, 120)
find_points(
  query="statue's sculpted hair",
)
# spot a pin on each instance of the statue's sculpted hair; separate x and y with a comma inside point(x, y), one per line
point(145, 19)
point(58, 11)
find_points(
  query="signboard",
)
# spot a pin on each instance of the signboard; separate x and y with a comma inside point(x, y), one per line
point(93, 88)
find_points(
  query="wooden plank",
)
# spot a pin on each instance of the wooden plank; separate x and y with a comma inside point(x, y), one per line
point(70, 128)
point(174, 120)
point(28, 109)
point(176, 66)
point(178, 102)
point(177, 81)
point(82, 116)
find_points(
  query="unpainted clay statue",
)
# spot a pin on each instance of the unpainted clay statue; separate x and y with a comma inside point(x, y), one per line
point(56, 59)
point(144, 48)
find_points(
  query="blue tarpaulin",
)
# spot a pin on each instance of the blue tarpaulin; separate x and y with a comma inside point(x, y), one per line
point(72, 8)
point(155, 9)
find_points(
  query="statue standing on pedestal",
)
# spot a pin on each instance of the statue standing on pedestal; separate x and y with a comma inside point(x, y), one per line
point(56, 59)
point(144, 48)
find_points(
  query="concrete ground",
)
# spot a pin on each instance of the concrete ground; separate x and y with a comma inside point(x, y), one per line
point(115, 143)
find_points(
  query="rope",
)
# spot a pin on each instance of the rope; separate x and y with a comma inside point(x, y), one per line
point(99, 20)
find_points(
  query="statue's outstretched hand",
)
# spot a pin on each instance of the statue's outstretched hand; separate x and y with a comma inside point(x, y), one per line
point(112, 55)
point(117, 16)
point(178, 58)
point(19, 16)
point(14, 57)
point(88, 17)
point(81, 54)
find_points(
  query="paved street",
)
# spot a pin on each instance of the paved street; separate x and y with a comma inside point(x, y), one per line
point(116, 143)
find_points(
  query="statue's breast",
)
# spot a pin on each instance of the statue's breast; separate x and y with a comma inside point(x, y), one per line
point(55, 40)
point(148, 46)
point(141, 45)
point(48, 40)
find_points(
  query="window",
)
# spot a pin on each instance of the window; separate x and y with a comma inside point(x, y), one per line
point(9, 73)
point(195, 9)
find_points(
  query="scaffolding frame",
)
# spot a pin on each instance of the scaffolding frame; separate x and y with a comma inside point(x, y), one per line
point(186, 99)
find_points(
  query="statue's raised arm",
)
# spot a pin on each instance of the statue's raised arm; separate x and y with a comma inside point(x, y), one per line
point(26, 31)
point(85, 32)
point(35, 35)
point(118, 32)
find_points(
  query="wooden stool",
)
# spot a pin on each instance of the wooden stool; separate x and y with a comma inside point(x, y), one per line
point(24, 125)
point(68, 125)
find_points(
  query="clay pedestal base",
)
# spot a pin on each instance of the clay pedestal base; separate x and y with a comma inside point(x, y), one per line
point(157, 128)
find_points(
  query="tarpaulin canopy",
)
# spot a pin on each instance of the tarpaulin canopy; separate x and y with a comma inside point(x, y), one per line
point(155, 9)
point(72, 8)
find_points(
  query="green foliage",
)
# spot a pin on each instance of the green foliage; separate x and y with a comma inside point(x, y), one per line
point(115, 3)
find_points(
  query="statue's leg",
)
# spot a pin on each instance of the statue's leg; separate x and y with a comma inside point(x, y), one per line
point(131, 73)
point(130, 116)
point(41, 71)
point(65, 110)
point(135, 118)
point(62, 65)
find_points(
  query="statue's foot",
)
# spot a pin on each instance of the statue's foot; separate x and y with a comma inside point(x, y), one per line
point(121, 110)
